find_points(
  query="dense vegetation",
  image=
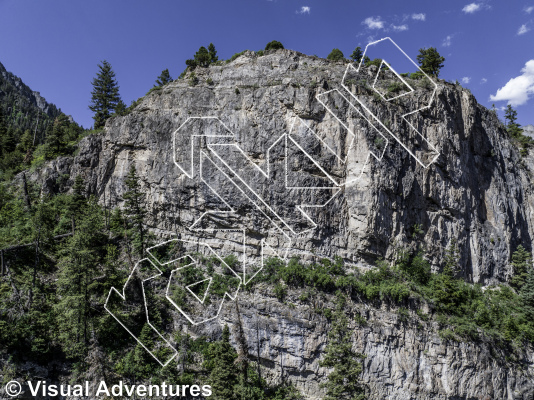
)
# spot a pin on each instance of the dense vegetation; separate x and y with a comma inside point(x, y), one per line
point(464, 311)
point(60, 256)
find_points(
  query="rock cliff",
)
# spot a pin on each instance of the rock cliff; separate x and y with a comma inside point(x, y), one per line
point(477, 193)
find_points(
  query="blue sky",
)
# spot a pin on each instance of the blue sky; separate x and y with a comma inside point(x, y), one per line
point(55, 45)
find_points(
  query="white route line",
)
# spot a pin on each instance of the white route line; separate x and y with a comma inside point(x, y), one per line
point(123, 297)
point(402, 116)
point(195, 262)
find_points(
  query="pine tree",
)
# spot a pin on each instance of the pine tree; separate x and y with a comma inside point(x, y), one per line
point(26, 140)
point(3, 127)
point(202, 57)
point(56, 138)
point(77, 201)
point(220, 360)
point(163, 79)
point(513, 128)
point(134, 210)
point(527, 294)
point(121, 108)
point(430, 61)
point(357, 54)
point(343, 381)
point(105, 94)
point(212, 53)
point(78, 265)
point(521, 262)
point(335, 55)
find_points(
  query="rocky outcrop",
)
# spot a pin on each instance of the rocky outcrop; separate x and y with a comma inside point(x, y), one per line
point(405, 359)
point(477, 194)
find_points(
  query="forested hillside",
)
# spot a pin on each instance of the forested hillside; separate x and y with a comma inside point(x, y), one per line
point(31, 130)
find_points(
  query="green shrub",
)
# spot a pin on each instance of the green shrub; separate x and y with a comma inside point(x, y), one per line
point(335, 55)
point(274, 45)
point(280, 291)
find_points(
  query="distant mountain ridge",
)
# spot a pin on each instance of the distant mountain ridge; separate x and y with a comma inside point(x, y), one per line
point(23, 107)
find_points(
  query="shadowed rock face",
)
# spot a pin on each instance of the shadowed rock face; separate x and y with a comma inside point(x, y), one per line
point(477, 193)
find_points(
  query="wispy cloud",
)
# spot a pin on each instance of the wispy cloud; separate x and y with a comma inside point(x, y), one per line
point(517, 90)
point(483, 81)
point(400, 28)
point(529, 9)
point(447, 41)
point(466, 79)
point(304, 10)
point(373, 23)
point(472, 8)
point(419, 17)
point(523, 29)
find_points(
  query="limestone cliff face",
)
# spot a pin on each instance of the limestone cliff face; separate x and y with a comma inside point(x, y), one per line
point(478, 193)
point(405, 360)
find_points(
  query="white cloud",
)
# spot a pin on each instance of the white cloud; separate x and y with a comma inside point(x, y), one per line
point(373, 23)
point(419, 17)
point(400, 28)
point(517, 90)
point(447, 41)
point(304, 10)
point(466, 79)
point(471, 8)
point(528, 10)
point(483, 81)
point(523, 29)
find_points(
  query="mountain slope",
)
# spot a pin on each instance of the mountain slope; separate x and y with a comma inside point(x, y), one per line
point(21, 105)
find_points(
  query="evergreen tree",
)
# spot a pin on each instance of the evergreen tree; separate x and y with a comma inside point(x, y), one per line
point(191, 63)
point(513, 128)
point(212, 53)
point(357, 54)
point(446, 290)
point(56, 138)
point(9, 141)
point(138, 364)
point(527, 294)
point(335, 55)
point(521, 263)
point(3, 127)
point(163, 79)
point(430, 61)
point(121, 108)
point(343, 381)
point(105, 94)
point(202, 57)
point(274, 45)
point(134, 210)
point(77, 202)
point(78, 262)
point(26, 141)
point(220, 361)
